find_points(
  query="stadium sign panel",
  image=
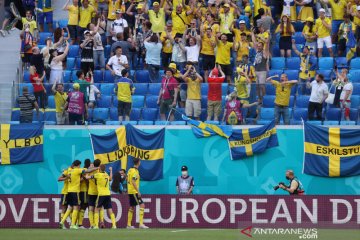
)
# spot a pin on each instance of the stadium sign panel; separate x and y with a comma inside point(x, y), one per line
point(197, 211)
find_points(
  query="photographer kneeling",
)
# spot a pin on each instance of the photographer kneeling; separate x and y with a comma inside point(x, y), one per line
point(294, 188)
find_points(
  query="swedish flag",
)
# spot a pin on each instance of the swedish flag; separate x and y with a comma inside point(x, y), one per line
point(126, 143)
point(201, 129)
point(245, 142)
point(21, 143)
point(331, 152)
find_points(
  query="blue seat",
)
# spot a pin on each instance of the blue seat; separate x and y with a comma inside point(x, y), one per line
point(213, 122)
point(326, 63)
point(299, 26)
point(108, 78)
point(138, 101)
point(78, 63)
point(355, 63)
point(302, 101)
point(274, 72)
point(51, 102)
point(73, 76)
point(114, 113)
point(341, 62)
point(26, 76)
point(348, 123)
point(107, 89)
point(204, 100)
point(150, 114)
point(73, 51)
point(292, 74)
point(267, 114)
point(70, 63)
point(354, 114)
point(63, 23)
point(178, 123)
point(15, 115)
point(316, 122)
point(104, 101)
point(300, 113)
point(50, 115)
point(129, 122)
point(293, 63)
point(326, 74)
point(135, 114)
point(145, 123)
point(354, 75)
point(299, 47)
point(224, 88)
point(333, 114)
point(100, 114)
point(112, 123)
point(14, 122)
point(154, 88)
point(268, 101)
point(37, 118)
point(28, 85)
point(204, 88)
point(142, 76)
point(203, 114)
point(299, 38)
point(67, 76)
point(278, 63)
point(160, 122)
point(291, 101)
point(356, 89)
point(151, 101)
point(276, 51)
point(331, 123)
point(48, 87)
point(98, 76)
point(141, 88)
point(107, 51)
point(43, 36)
point(355, 101)
point(269, 89)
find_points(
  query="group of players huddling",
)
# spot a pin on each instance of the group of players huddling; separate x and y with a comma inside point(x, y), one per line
point(88, 187)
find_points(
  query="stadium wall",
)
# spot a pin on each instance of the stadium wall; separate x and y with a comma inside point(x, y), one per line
point(208, 160)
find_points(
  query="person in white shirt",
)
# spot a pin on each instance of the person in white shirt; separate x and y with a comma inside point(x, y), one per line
point(119, 25)
point(93, 93)
point(193, 51)
point(345, 97)
point(319, 92)
point(117, 63)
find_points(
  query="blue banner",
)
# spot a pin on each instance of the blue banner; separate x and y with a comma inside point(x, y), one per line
point(331, 151)
point(21, 143)
point(126, 143)
point(247, 142)
point(201, 129)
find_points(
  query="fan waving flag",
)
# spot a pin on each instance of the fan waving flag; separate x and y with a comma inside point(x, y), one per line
point(21, 143)
point(126, 143)
point(201, 129)
point(331, 152)
point(246, 142)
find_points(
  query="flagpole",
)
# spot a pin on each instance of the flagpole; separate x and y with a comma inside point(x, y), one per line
point(167, 120)
point(303, 129)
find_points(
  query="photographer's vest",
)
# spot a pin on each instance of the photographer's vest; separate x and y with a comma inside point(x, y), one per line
point(299, 190)
point(76, 103)
point(184, 184)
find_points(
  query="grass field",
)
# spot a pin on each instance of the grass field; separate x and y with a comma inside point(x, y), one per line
point(160, 234)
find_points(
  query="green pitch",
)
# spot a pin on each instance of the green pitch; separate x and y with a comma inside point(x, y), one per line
point(160, 234)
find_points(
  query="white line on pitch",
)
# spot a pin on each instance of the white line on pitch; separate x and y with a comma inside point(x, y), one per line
point(179, 231)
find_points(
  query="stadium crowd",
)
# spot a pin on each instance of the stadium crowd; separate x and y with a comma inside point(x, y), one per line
point(126, 60)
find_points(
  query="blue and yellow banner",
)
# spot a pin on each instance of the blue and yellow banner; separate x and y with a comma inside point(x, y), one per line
point(126, 143)
point(331, 151)
point(201, 129)
point(21, 143)
point(246, 142)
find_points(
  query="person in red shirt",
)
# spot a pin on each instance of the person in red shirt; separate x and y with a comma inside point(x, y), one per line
point(168, 94)
point(215, 93)
point(37, 82)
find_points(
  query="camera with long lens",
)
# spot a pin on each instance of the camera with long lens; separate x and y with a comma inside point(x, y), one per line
point(278, 186)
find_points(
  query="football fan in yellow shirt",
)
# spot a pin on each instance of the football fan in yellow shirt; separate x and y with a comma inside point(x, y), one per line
point(242, 85)
point(102, 180)
point(223, 55)
point(208, 43)
point(83, 194)
point(64, 192)
point(74, 174)
point(323, 31)
point(156, 16)
point(28, 20)
point(135, 195)
point(73, 10)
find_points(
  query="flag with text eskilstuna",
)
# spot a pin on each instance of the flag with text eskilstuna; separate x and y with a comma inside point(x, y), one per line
point(246, 142)
point(201, 129)
point(331, 151)
point(128, 142)
point(21, 143)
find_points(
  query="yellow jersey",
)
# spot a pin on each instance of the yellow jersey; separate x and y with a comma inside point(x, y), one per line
point(304, 66)
point(308, 34)
point(285, 33)
point(157, 20)
point(193, 89)
point(214, 27)
point(83, 184)
point(73, 15)
point(223, 52)
point(92, 189)
point(207, 44)
point(320, 29)
point(250, 70)
point(225, 22)
point(113, 6)
point(337, 9)
point(31, 23)
point(86, 15)
point(74, 179)
point(238, 32)
point(65, 187)
point(356, 19)
point(167, 44)
point(283, 91)
point(242, 49)
point(102, 180)
point(133, 174)
point(179, 21)
point(241, 87)
point(60, 100)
